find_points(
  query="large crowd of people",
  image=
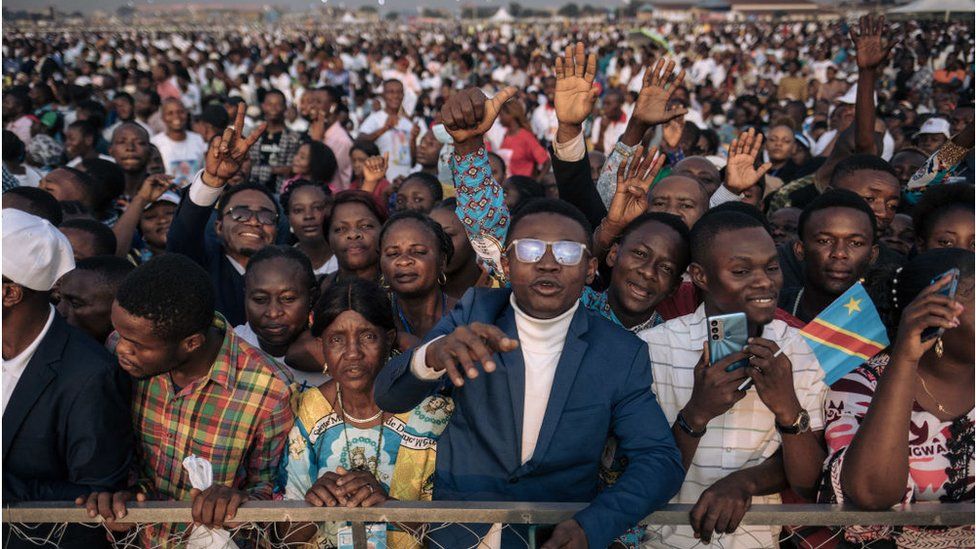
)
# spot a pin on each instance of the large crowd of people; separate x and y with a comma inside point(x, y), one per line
point(478, 263)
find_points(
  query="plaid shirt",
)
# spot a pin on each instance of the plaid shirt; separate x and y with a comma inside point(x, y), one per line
point(238, 417)
point(287, 147)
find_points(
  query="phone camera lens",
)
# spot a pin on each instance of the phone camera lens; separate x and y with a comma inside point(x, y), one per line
point(715, 337)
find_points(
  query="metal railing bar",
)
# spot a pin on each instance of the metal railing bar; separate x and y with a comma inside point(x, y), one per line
point(919, 514)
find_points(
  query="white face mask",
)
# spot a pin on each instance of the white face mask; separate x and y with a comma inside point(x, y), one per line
point(440, 132)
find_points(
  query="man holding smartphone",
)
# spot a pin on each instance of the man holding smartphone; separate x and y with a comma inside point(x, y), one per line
point(738, 446)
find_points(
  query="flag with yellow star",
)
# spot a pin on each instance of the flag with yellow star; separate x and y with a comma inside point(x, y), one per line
point(846, 334)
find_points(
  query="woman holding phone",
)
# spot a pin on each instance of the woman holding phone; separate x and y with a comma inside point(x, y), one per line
point(900, 427)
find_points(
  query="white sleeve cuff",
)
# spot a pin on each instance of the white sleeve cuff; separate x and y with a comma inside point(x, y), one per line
point(723, 195)
point(202, 194)
point(418, 364)
point(571, 151)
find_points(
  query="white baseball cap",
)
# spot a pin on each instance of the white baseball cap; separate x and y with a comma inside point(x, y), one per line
point(35, 253)
point(850, 98)
point(935, 125)
point(168, 196)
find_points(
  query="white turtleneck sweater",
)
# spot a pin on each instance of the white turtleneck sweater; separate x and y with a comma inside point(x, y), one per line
point(541, 342)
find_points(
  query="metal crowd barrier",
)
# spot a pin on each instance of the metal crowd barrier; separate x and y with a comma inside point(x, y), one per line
point(919, 514)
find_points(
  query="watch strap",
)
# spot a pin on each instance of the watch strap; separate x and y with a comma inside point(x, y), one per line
point(684, 426)
point(797, 427)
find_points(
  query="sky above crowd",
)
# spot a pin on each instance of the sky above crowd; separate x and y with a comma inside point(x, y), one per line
point(388, 5)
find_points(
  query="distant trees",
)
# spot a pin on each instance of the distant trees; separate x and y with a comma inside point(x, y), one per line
point(569, 10)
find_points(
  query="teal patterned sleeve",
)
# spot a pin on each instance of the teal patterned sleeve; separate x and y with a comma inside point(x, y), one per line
point(481, 208)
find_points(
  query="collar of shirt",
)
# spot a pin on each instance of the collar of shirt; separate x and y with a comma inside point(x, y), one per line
point(237, 266)
point(221, 371)
point(542, 335)
point(14, 368)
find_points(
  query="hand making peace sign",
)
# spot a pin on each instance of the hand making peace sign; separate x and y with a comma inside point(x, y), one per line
point(227, 152)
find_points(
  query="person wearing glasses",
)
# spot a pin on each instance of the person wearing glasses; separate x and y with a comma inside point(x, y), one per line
point(246, 221)
point(538, 380)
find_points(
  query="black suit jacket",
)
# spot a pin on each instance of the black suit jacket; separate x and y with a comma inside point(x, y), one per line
point(576, 186)
point(187, 236)
point(67, 429)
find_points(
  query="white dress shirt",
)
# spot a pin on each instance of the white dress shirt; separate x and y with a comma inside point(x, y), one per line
point(14, 368)
point(743, 437)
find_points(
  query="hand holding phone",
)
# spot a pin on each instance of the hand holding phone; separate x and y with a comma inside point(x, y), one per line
point(948, 290)
point(927, 317)
point(727, 334)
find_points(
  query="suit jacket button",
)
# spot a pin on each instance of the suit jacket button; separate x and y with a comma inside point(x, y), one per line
point(513, 480)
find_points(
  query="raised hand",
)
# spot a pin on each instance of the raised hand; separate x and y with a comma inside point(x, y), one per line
point(458, 352)
point(871, 42)
point(633, 182)
point(741, 172)
point(374, 169)
point(153, 187)
point(672, 132)
point(575, 92)
point(468, 114)
point(320, 123)
point(930, 309)
point(660, 82)
point(228, 152)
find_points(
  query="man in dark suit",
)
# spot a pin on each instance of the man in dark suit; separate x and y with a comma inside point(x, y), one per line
point(246, 220)
point(66, 419)
point(558, 379)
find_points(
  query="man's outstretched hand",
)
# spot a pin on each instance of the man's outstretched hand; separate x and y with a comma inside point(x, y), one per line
point(227, 152)
point(459, 352)
point(872, 42)
point(467, 115)
point(741, 171)
point(575, 91)
point(659, 85)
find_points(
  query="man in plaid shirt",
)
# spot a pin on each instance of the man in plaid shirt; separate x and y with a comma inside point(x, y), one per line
point(200, 389)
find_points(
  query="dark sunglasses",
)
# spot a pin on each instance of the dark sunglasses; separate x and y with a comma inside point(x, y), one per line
point(243, 214)
point(531, 250)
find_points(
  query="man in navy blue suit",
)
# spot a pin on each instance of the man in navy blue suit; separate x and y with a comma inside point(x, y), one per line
point(539, 383)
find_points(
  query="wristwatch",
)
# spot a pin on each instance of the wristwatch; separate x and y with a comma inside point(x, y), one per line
point(801, 425)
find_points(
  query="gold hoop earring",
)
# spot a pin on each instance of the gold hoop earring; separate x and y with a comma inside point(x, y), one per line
point(442, 278)
point(939, 349)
